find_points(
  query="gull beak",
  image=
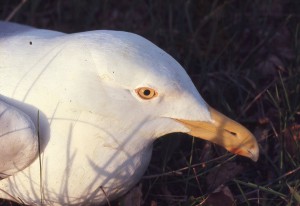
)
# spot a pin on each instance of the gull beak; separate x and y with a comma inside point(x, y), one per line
point(224, 132)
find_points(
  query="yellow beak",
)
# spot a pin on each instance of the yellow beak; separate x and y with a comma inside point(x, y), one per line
point(225, 132)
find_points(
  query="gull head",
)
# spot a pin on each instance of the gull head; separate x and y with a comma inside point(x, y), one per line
point(148, 88)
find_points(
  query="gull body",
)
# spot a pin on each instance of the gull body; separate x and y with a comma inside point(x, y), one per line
point(81, 132)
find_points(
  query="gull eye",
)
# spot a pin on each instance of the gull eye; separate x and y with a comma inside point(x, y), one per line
point(146, 93)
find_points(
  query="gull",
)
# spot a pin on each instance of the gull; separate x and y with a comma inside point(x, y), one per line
point(79, 114)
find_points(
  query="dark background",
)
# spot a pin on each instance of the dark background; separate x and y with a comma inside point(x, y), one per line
point(242, 56)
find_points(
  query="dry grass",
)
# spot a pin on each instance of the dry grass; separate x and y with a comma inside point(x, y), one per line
point(243, 56)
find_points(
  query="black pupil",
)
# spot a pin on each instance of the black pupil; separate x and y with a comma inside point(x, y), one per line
point(147, 92)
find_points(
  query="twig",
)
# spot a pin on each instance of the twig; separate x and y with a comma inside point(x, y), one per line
point(40, 160)
point(265, 187)
point(178, 172)
point(13, 13)
point(105, 195)
point(257, 97)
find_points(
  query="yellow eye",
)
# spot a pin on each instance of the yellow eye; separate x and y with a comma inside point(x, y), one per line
point(146, 93)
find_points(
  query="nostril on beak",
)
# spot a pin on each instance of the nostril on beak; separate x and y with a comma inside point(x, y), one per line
point(232, 133)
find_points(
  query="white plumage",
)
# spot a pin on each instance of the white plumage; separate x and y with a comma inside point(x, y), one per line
point(84, 109)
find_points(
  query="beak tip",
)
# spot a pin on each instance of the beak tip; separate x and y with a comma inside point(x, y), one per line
point(254, 157)
point(253, 153)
